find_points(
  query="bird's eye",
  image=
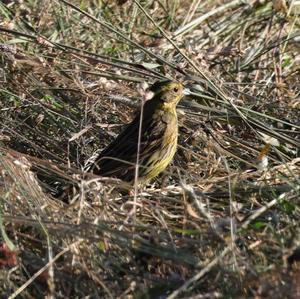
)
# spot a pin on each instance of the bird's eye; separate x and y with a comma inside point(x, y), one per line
point(175, 89)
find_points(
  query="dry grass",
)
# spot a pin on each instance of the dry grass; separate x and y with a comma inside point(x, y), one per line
point(214, 225)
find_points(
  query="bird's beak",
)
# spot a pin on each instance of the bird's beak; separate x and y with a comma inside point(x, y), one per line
point(186, 91)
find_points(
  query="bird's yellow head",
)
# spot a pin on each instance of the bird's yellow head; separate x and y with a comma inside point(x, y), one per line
point(169, 94)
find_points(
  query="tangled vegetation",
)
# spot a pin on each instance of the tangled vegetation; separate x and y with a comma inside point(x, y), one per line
point(222, 221)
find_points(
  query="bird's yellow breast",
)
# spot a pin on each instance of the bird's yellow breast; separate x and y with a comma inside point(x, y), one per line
point(164, 155)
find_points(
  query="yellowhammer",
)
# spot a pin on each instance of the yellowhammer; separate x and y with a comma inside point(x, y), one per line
point(153, 146)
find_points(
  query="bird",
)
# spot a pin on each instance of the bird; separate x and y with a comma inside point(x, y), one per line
point(151, 147)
